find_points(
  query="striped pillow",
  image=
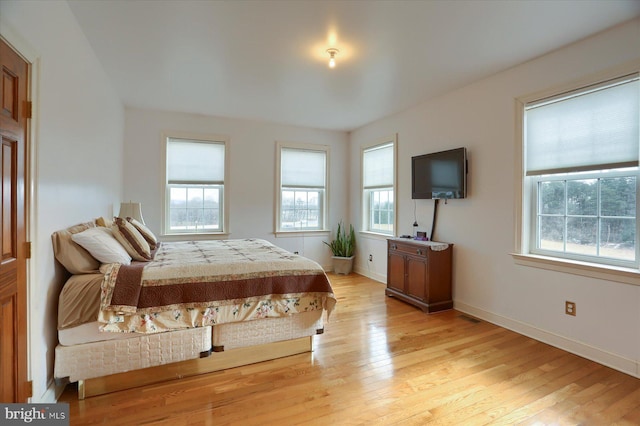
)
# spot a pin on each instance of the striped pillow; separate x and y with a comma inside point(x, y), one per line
point(132, 241)
point(146, 232)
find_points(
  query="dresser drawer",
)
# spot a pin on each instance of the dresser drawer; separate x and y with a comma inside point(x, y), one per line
point(413, 249)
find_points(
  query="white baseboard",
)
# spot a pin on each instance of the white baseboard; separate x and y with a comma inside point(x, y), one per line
point(51, 395)
point(625, 365)
point(367, 273)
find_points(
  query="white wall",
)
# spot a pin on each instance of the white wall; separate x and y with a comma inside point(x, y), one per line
point(78, 124)
point(250, 190)
point(487, 282)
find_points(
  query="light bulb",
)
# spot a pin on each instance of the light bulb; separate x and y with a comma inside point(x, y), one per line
point(332, 57)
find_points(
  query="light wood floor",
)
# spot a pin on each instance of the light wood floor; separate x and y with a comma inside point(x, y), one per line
point(381, 361)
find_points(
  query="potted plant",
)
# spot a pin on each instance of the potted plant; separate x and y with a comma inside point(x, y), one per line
point(343, 248)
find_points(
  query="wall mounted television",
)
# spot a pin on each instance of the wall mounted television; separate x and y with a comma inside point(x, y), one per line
point(439, 175)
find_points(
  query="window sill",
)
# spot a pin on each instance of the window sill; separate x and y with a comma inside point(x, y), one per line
point(376, 235)
point(605, 272)
point(301, 233)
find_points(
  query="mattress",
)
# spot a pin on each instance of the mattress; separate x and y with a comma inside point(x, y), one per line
point(269, 330)
point(225, 336)
point(130, 351)
point(88, 333)
point(98, 359)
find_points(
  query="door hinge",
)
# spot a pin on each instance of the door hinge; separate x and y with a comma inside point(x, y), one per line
point(28, 109)
point(28, 389)
point(27, 250)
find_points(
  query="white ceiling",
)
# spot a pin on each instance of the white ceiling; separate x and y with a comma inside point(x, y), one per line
point(266, 60)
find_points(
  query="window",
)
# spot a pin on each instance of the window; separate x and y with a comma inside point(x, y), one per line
point(378, 190)
point(195, 175)
point(581, 171)
point(302, 177)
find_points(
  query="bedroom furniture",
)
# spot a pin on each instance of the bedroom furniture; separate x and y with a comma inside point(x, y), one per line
point(216, 305)
point(419, 273)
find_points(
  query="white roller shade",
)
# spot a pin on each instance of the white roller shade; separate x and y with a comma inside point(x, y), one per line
point(194, 162)
point(303, 168)
point(590, 130)
point(378, 166)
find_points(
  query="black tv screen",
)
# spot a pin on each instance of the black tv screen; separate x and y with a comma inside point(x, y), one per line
point(439, 175)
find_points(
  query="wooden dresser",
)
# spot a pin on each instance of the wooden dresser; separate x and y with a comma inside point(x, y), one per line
point(419, 273)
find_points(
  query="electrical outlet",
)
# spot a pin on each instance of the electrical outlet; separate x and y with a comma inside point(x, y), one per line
point(570, 308)
point(370, 258)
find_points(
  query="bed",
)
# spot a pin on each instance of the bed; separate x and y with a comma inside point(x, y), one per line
point(181, 308)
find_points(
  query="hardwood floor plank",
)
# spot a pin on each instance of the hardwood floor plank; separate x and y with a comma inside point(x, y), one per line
point(384, 362)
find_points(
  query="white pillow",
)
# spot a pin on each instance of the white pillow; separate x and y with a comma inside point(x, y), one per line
point(102, 245)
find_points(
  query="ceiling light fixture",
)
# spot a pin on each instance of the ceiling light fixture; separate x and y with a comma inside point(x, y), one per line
point(332, 57)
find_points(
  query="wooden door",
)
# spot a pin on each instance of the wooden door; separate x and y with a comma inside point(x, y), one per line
point(13, 282)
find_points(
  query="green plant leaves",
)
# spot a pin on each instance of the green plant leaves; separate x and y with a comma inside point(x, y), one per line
point(344, 245)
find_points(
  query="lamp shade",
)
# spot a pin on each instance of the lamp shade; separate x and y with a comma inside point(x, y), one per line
point(133, 210)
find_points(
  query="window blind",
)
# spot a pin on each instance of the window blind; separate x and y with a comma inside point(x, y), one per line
point(591, 129)
point(195, 162)
point(302, 168)
point(378, 166)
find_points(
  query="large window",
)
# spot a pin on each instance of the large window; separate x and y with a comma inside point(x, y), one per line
point(302, 178)
point(581, 173)
point(378, 190)
point(194, 197)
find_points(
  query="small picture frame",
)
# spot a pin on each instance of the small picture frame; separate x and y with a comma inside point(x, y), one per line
point(421, 236)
